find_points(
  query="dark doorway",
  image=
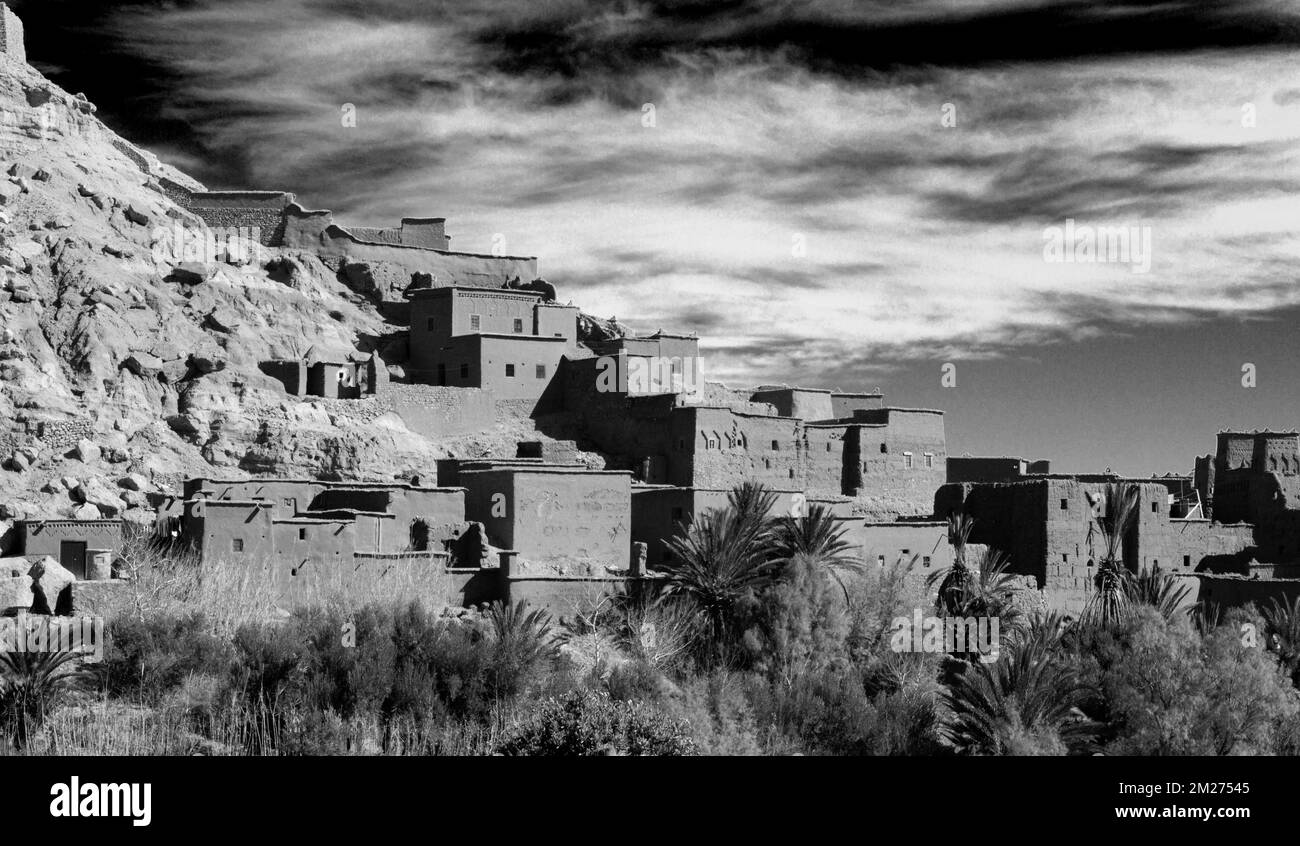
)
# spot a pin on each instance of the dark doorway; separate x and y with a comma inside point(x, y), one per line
point(72, 555)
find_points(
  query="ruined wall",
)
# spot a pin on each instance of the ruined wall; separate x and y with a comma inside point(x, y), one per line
point(794, 402)
point(447, 268)
point(843, 406)
point(567, 597)
point(263, 210)
point(11, 35)
point(441, 412)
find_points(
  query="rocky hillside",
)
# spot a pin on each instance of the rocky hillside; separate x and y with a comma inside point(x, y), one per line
point(123, 368)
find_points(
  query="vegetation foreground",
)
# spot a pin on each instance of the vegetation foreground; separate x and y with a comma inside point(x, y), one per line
point(765, 638)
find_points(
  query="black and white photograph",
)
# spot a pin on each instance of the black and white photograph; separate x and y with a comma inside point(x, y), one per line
point(491, 379)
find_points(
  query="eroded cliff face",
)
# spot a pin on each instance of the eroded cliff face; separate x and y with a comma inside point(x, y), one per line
point(126, 365)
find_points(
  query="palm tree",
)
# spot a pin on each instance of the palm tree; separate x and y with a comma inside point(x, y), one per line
point(32, 684)
point(953, 581)
point(816, 537)
point(1161, 591)
point(722, 557)
point(1030, 697)
point(521, 640)
point(1284, 635)
point(1110, 603)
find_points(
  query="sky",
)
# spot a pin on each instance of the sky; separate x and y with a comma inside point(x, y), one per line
point(831, 193)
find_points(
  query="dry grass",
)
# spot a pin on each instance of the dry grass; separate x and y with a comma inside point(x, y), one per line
point(171, 579)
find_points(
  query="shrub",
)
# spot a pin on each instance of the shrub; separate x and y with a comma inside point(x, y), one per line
point(635, 681)
point(803, 622)
point(152, 657)
point(349, 678)
point(585, 723)
point(1173, 691)
point(826, 712)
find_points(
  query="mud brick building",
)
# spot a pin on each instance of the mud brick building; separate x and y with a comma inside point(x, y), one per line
point(505, 341)
point(86, 548)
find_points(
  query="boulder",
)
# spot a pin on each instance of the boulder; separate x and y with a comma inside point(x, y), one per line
point(96, 493)
point(23, 170)
point(51, 586)
point(86, 511)
point(191, 273)
point(224, 320)
point(134, 482)
point(136, 216)
point(18, 463)
point(206, 363)
point(143, 364)
point(15, 593)
point(87, 452)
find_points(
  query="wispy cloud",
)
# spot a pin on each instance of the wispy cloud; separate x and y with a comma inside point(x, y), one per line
point(797, 199)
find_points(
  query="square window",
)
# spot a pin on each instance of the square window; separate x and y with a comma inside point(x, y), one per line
point(519, 326)
point(1065, 558)
point(767, 463)
point(464, 371)
point(302, 534)
point(1065, 505)
point(906, 552)
point(880, 560)
point(907, 460)
point(541, 371)
point(925, 561)
point(237, 544)
point(1187, 560)
point(791, 472)
point(1155, 508)
point(474, 322)
point(776, 445)
point(431, 325)
point(929, 460)
point(828, 447)
point(288, 503)
point(677, 515)
point(883, 449)
point(510, 370)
